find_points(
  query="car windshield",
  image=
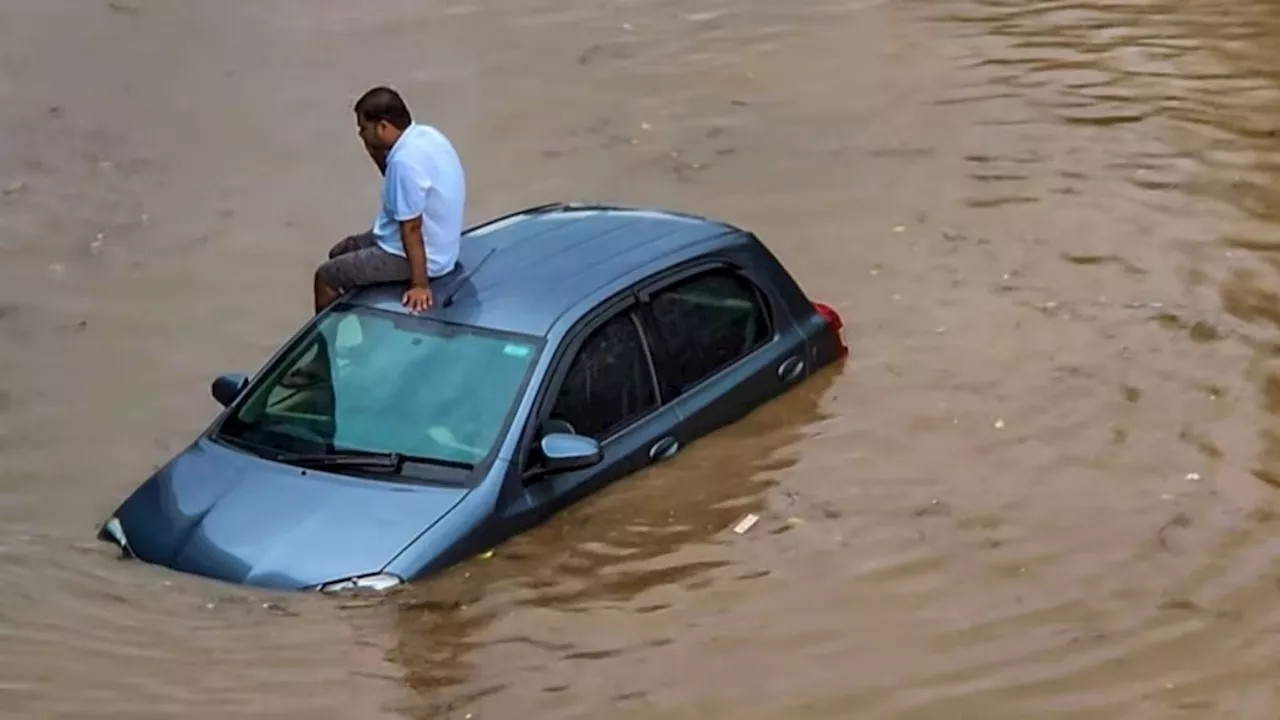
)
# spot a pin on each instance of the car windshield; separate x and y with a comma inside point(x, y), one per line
point(365, 380)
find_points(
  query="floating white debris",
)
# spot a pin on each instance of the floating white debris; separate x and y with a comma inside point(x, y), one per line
point(999, 423)
point(746, 523)
point(1193, 476)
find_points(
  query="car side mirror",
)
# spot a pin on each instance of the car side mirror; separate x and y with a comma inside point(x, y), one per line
point(226, 388)
point(566, 451)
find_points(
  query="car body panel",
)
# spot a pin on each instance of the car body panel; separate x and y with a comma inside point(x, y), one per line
point(624, 454)
point(222, 513)
point(556, 258)
point(466, 530)
point(553, 272)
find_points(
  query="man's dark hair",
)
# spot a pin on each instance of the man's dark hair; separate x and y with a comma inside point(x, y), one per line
point(383, 103)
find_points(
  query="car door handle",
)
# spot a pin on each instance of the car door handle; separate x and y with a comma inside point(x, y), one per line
point(663, 449)
point(791, 368)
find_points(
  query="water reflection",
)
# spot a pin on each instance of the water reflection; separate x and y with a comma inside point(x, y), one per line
point(1048, 224)
point(663, 528)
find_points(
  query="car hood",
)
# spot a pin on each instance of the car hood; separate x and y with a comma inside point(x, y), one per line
point(230, 515)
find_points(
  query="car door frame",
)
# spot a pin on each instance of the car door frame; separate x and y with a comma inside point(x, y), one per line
point(536, 496)
point(786, 347)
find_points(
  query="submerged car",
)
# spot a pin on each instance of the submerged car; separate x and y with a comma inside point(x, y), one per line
point(574, 345)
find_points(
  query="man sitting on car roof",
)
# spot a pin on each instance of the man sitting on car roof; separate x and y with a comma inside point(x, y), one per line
point(416, 233)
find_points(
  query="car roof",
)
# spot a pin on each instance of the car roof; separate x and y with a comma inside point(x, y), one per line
point(521, 272)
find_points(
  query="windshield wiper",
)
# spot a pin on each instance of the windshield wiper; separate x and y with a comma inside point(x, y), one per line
point(364, 459)
point(346, 458)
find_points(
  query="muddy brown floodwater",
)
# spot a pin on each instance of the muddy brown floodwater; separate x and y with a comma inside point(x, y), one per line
point(1046, 485)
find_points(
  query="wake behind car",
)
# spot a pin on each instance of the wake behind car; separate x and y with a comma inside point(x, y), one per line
point(574, 345)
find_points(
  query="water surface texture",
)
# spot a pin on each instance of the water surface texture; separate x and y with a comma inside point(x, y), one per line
point(1045, 485)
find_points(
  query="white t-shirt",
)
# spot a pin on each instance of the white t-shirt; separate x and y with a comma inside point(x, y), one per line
point(424, 177)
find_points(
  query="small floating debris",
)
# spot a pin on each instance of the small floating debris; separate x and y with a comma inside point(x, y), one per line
point(278, 609)
point(999, 423)
point(746, 523)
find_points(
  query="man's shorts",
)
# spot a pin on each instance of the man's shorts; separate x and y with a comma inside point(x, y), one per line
point(357, 261)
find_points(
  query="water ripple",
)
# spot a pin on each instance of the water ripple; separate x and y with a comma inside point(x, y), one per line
point(1044, 485)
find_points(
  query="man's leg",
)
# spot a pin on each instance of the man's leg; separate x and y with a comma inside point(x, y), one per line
point(346, 270)
point(324, 295)
point(351, 243)
point(357, 268)
point(334, 276)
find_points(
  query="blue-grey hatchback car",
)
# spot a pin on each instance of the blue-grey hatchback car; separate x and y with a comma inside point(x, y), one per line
point(573, 345)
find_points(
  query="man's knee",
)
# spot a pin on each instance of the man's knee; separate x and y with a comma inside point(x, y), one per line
point(340, 248)
point(352, 243)
point(359, 268)
point(325, 276)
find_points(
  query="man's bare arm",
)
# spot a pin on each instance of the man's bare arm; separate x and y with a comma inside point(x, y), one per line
point(415, 248)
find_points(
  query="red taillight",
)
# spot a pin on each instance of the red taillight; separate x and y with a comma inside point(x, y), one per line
point(835, 322)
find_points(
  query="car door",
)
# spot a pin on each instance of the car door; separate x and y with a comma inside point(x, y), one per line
point(605, 389)
point(720, 348)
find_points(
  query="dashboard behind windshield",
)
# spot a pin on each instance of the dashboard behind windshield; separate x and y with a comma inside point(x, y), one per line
point(371, 380)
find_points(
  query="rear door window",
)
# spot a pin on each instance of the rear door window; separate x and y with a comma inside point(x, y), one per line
point(609, 384)
point(703, 324)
